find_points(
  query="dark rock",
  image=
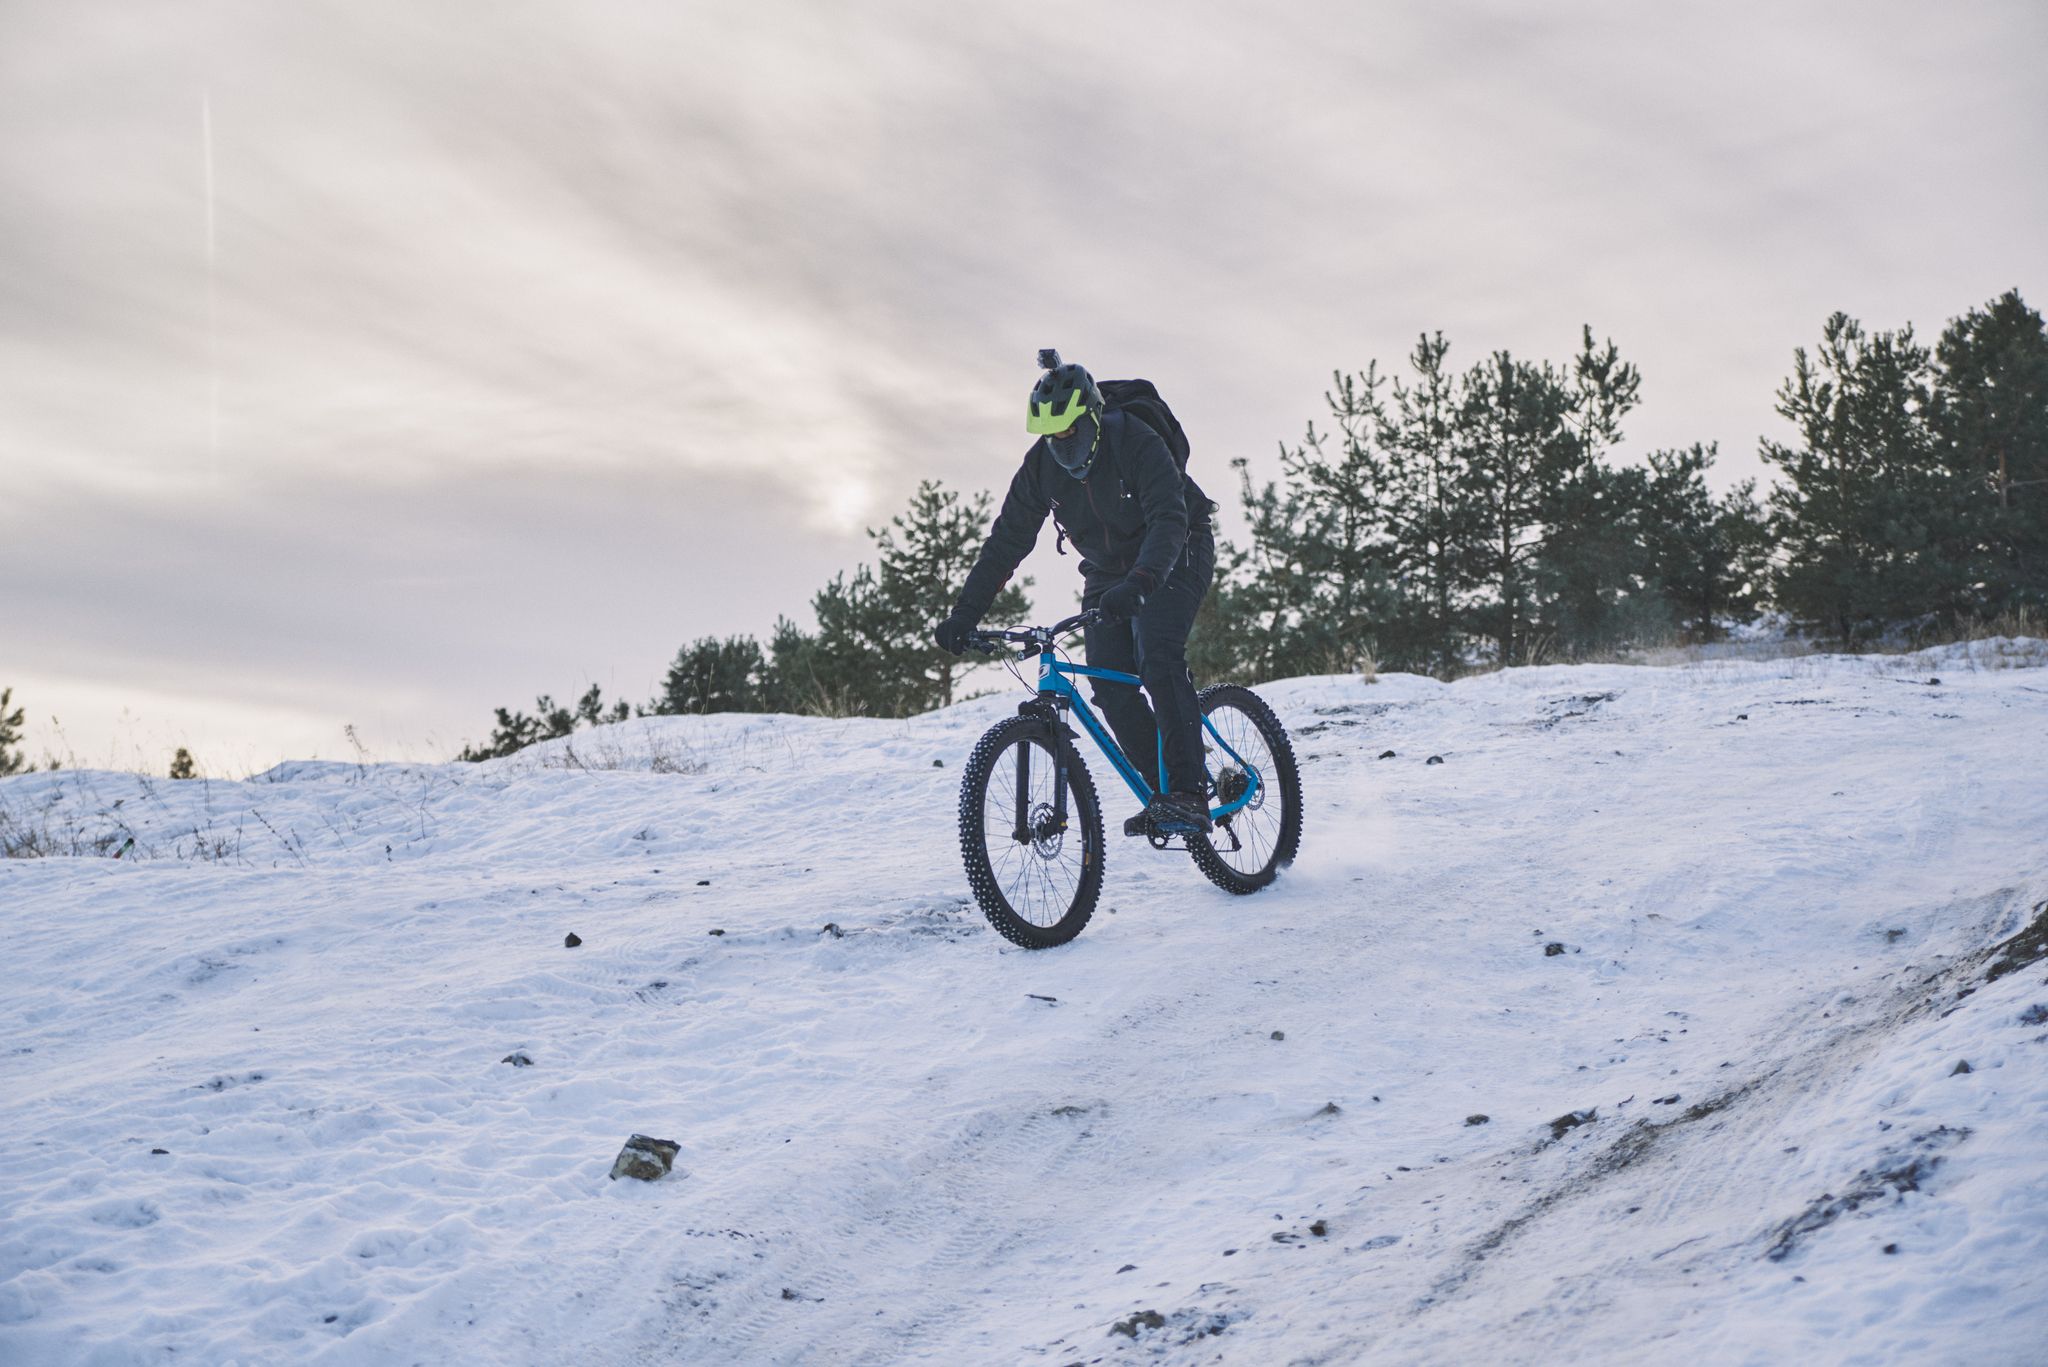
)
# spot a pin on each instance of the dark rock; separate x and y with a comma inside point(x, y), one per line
point(1477, 1119)
point(1552, 950)
point(1742, 716)
point(1127, 1267)
point(788, 1294)
point(159, 1150)
point(938, 764)
point(1671, 1100)
point(1891, 1248)
point(1386, 754)
point(714, 932)
point(2036, 1014)
point(1279, 1034)
point(1331, 1108)
point(518, 1058)
point(1144, 1319)
point(1037, 998)
point(571, 940)
point(1434, 759)
point(1319, 1229)
point(833, 927)
point(1932, 683)
point(1962, 1066)
point(648, 1159)
point(1571, 1120)
point(703, 882)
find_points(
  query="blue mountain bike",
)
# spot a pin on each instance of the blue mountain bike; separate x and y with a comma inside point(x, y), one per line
point(1030, 824)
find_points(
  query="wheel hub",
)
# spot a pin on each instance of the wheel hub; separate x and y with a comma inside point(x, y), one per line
point(1232, 784)
point(1047, 831)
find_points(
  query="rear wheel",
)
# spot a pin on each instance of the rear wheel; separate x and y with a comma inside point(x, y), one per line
point(1247, 751)
point(1036, 878)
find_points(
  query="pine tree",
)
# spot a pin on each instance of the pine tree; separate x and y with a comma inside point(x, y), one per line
point(710, 675)
point(11, 760)
point(1591, 573)
point(1990, 419)
point(1257, 621)
point(1350, 559)
point(1425, 514)
point(1708, 558)
point(515, 730)
point(1514, 444)
point(857, 665)
point(1873, 525)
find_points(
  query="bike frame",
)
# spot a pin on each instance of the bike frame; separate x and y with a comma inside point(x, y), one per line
point(1056, 691)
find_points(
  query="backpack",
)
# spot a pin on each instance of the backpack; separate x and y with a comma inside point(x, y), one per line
point(1140, 400)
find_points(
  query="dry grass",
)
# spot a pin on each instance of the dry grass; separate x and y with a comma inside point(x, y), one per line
point(79, 825)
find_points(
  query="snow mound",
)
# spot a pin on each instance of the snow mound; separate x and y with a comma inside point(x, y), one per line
point(1635, 1024)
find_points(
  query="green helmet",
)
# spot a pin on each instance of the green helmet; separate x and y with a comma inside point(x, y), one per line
point(1063, 394)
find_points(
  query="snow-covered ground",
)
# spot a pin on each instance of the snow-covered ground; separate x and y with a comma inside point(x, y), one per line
point(256, 1109)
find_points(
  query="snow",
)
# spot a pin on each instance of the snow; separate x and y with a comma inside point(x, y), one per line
point(1776, 887)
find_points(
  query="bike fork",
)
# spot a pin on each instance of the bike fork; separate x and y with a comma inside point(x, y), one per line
point(1022, 833)
point(1047, 712)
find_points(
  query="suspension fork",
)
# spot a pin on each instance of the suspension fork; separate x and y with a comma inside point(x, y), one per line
point(1022, 831)
point(1045, 707)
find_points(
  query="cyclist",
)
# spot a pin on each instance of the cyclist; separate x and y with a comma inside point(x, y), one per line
point(1148, 553)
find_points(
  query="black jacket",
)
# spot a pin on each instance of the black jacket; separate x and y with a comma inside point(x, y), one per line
point(1131, 513)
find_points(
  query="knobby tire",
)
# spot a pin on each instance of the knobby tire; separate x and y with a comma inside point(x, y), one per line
point(1040, 891)
point(1250, 847)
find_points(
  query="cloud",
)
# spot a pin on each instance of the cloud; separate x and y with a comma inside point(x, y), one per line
point(480, 268)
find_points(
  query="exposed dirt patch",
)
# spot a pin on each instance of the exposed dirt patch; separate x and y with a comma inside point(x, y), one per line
point(1913, 1162)
point(2029, 946)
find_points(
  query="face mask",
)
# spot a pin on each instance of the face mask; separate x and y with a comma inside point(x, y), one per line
point(1075, 450)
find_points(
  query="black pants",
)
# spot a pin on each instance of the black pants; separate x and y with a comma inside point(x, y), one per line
point(1154, 646)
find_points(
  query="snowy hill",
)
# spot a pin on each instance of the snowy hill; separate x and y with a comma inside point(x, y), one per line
point(256, 1109)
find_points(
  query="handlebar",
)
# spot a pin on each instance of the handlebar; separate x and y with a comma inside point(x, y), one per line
point(1031, 638)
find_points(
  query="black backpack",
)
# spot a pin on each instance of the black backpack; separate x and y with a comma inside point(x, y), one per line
point(1138, 399)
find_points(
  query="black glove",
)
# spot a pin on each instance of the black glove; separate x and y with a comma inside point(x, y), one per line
point(953, 632)
point(1128, 597)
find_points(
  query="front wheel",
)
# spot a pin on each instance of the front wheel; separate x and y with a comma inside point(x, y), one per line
point(1248, 752)
point(1036, 874)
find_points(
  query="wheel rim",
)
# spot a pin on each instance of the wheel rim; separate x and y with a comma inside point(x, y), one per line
point(1040, 875)
point(1248, 838)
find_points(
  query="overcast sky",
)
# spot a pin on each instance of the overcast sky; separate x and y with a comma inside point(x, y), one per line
point(519, 343)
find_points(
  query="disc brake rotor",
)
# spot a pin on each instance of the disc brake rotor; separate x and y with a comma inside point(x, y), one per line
point(1046, 833)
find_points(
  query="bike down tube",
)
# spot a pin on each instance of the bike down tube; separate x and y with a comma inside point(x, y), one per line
point(1052, 679)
